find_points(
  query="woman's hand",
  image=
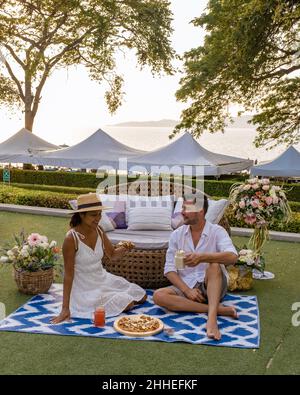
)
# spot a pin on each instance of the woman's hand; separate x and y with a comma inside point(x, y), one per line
point(63, 316)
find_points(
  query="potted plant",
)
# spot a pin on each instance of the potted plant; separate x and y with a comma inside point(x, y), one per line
point(258, 203)
point(241, 274)
point(33, 259)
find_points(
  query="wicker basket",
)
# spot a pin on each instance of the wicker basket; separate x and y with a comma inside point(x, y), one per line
point(146, 267)
point(33, 283)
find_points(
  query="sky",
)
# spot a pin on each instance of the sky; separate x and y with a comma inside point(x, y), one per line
point(73, 106)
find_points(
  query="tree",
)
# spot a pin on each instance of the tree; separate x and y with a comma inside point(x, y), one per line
point(39, 36)
point(250, 57)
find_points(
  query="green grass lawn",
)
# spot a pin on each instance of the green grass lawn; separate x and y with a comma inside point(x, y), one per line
point(279, 353)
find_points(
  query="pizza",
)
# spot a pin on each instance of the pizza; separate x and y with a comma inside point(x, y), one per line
point(138, 325)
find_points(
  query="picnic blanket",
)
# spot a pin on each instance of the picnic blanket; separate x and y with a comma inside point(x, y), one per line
point(34, 317)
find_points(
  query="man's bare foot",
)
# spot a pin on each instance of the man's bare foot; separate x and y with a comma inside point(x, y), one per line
point(232, 312)
point(212, 330)
point(228, 311)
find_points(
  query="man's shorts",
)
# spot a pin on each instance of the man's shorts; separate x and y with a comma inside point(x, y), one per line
point(202, 287)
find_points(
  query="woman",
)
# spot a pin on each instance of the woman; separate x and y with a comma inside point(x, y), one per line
point(86, 283)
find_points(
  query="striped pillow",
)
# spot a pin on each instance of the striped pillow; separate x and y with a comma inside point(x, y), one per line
point(149, 218)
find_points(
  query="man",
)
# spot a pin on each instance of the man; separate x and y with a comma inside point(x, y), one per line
point(202, 284)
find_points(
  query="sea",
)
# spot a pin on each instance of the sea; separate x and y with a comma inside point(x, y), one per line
point(234, 141)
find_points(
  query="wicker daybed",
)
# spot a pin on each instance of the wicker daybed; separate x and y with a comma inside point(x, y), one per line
point(145, 267)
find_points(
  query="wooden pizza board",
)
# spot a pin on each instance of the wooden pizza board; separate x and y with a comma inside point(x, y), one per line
point(138, 334)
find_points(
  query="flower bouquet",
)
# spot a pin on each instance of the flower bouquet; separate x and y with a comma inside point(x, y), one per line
point(259, 204)
point(241, 274)
point(33, 259)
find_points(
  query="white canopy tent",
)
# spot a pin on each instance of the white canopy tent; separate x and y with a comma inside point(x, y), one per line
point(97, 150)
point(22, 144)
point(285, 165)
point(187, 152)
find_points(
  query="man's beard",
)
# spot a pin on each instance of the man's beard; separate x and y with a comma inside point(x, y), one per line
point(189, 221)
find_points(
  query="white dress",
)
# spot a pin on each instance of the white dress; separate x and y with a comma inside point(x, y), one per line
point(93, 285)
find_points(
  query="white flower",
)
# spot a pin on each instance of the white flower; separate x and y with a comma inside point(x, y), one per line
point(53, 244)
point(24, 253)
point(246, 187)
point(265, 181)
point(4, 259)
point(266, 187)
point(245, 252)
point(10, 254)
point(43, 245)
point(272, 192)
point(44, 239)
point(253, 180)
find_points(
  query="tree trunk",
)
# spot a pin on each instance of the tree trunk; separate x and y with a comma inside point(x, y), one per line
point(29, 119)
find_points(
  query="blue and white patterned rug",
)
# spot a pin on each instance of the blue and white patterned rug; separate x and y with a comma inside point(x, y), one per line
point(34, 316)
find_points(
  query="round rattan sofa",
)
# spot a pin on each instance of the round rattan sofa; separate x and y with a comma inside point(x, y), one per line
point(145, 267)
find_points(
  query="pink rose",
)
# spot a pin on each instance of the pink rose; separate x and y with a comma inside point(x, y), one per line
point(269, 200)
point(250, 219)
point(34, 239)
point(266, 187)
point(242, 204)
point(255, 203)
point(275, 200)
point(255, 186)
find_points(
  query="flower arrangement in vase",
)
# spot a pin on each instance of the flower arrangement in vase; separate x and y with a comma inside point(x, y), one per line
point(33, 259)
point(259, 203)
point(241, 274)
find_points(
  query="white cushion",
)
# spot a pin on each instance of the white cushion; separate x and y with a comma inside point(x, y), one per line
point(106, 223)
point(216, 209)
point(149, 218)
point(142, 239)
point(215, 212)
point(148, 201)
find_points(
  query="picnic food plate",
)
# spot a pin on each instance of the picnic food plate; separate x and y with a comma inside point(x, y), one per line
point(138, 325)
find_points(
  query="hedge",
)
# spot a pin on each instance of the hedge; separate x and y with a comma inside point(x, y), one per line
point(51, 188)
point(89, 180)
point(85, 180)
point(13, 195)
point(295, 206)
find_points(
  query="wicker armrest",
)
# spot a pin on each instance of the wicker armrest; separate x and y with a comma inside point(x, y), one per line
point(142, 267)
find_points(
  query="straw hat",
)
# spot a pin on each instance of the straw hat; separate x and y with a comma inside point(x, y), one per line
point(87, 202)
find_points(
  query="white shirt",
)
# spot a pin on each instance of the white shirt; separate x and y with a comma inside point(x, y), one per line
point(214, 238)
